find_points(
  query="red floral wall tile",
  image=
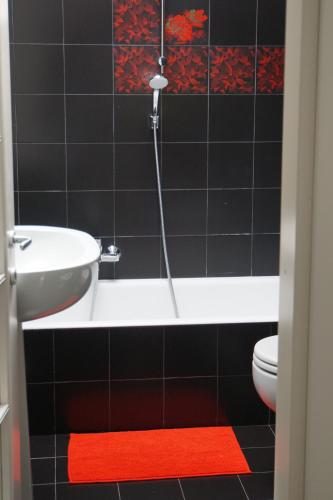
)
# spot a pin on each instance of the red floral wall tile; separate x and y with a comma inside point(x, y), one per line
point(136, 21)
point(232, 70)
point(270, 68)
point(189, 26)
point(133, 68)
point(187, 70)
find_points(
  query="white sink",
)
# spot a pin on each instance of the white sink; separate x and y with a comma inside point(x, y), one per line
point(54, 271)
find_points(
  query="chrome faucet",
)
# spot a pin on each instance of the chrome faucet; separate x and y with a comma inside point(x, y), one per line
point(113, 253)
point(22, 241)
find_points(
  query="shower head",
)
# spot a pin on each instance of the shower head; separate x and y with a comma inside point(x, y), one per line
point(158, 82)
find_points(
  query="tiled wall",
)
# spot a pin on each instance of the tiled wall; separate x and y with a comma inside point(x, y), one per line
point(143, 378)
point(83, 147)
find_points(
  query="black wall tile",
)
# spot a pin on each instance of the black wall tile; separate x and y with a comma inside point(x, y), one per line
point(82, 407)
point(190, 351)
point(233, 23)
point(229, 255)
point(271, 22)
point(91, 211)
point(185, 212)
point(190, 402)
point(184, 118)
point(266, 253)
point(41, 408)
point(38, 69)
point(88, 22)
point(231, 118)
point(146, 250)
point(184, 166)
point(89, 118)
point(41, 167)
point(267, 164)
point(40, 118)
point(89, 69)
point(37, 21)
point(136, 353)
point(81, 355)
point(137, 213)
point(230, 165)
point(135, 166)
point(136, 405)
point(39, 356)
point(229, 212)
point(90, 166)
point(269, 111)
point(43, 208)
point(266, 208)
point(131, 116)
point(187, 256)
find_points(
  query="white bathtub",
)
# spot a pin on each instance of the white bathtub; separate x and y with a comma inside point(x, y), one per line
point(118, 303)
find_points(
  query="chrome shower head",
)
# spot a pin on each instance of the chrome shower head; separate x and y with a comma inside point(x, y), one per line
point(158, 82)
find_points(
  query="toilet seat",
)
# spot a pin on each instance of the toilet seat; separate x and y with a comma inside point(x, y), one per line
point(265, 366)
point(266, 352)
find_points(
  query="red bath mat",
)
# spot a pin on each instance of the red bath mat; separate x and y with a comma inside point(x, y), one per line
point(157, 454)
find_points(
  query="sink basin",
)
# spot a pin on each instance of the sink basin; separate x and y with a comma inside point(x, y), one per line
point(54, 271)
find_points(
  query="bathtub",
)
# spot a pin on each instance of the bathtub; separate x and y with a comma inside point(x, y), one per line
point(146, 302)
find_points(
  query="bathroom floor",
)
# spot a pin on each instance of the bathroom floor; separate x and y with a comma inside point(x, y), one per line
point(49, 471)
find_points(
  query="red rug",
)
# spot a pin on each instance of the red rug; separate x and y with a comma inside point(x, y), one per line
point(157, 454)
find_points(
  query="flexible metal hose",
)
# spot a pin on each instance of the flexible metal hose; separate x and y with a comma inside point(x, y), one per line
point(165, 249)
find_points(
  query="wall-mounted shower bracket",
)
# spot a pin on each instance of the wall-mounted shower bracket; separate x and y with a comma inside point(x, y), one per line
point(154, 121)
point(113, 253)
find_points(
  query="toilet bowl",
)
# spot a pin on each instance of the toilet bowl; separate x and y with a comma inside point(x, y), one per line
point(265, 369)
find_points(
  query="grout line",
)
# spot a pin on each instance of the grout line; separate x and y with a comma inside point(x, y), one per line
point(239, 479)
point(141, 45)
point(164, 379)
point(114, 166)
point(207, 136)
point(272, 430)
point(181, 489)
point(65, 106)
point(118, 488)
point(140, 143)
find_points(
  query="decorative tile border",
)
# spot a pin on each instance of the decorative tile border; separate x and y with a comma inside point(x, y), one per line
point(136, 22)
point(187, 70)
point(270, 70)
point(232, 70)
point(133, 68)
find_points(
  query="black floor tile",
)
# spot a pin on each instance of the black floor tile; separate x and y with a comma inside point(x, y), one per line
point(151, 490)
point(61, 470)
point(260, 459)
point(43, 470)
point(254, 436)
point(87, 492)
point(44, 492)
point(259, 486)
point(62, 445)
point(42, 446)
point(213, 488)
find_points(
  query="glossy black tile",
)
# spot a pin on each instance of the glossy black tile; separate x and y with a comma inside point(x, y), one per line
point(147, 251)
point(62, 470)
point(38, 69)
point(44, 492)
point(266, 210)
point(136, 405)
point(91, 211)
point(88, 22)
point(42, 446)
point(142, 348)
point(185, 212)
point(187, 256)
point(38, 346)
point(62, 441)
point(266, 254)
point(90, 166)
point(271, 22)
point(151, 490)
point(137, 213)
point(89, 69)
point(190, 402)
point(213, 488)
point(229, 212)
point(184, 118)
point(229, 255)
point(42, 470)
point(231, 118)
point(33, 118)
point(81, 354)
point(233, 23)
point(87, 492)
point(254, 436)
point(184, 166)
point(190, 351)
point(131, 116)
point(39, 21)
point(239, 403)
point(41, 167)
point(230, 165)
point(260, 459)
point(236, 344)
point(41, 408)
point(178, 7)
point(43, 208)
point(259, 486)
point(267, 164)
point(135, 166)
point(89, 118)
point(82, 407)
point(269, 111)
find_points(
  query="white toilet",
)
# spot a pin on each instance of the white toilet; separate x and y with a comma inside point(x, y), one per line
point(265, 369)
